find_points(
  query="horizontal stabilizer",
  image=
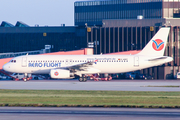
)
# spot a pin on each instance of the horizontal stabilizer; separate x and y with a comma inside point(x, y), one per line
point(160, 58)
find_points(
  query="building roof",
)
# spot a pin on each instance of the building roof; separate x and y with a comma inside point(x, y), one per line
point(21, 24)
point(6, 24)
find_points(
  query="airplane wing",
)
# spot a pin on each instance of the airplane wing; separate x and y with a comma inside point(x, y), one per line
point(81, 67)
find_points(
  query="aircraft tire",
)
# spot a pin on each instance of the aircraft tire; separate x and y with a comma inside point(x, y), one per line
point(25, 79)
point(84, 79)
point(80, 79)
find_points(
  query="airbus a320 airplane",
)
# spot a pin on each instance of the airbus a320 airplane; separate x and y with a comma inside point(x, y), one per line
point(70, 66)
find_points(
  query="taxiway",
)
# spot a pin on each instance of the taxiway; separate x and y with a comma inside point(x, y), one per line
point(114, 85)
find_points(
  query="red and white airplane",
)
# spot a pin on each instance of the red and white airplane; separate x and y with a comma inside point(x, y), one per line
point(70, 66)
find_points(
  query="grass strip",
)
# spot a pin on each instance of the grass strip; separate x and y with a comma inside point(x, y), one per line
point(66, 98)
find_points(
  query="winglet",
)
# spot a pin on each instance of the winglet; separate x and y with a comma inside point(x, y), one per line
point(157, 44)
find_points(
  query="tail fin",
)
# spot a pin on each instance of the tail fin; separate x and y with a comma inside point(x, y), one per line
point(157, 44)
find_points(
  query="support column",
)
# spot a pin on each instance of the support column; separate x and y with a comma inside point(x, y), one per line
point(114, 46)
point(123, 39)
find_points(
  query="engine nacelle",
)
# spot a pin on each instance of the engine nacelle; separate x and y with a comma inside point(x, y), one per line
point(60, 73)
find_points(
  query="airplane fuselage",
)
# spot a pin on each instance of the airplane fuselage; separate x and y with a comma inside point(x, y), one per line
point(42, 64)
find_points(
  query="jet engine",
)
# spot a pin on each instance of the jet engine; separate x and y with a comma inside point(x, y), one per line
point(60, 73)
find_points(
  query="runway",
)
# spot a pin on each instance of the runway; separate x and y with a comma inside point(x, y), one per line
point(20, 113)
point(114, 85)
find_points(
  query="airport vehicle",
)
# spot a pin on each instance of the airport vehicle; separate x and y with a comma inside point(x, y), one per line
point(144, 76)
point(141, 76)
point(69, 66)
point(131, 75)
point(149, 77)
point(21, 76)
point(178, 75)
point(18, 75)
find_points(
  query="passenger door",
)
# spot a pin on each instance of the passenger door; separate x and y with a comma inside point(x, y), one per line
point(136, 61)
point(24, 62)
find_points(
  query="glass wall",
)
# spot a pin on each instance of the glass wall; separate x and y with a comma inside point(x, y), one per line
point(93, 12)
point(119, 39)
point(30, 41)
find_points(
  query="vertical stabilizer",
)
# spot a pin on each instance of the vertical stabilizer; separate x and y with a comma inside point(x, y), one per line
point(157, 44)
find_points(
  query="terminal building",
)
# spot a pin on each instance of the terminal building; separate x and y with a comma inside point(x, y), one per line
point(22, 37)
point(123, 25)
point(110, 25)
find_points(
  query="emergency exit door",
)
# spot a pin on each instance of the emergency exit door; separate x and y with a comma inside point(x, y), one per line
point(136, 61)
point(24, 62)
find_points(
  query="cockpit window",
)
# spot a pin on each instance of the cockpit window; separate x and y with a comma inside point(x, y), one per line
point(13, 61)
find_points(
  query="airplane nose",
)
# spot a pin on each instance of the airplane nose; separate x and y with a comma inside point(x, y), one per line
point(5, 67)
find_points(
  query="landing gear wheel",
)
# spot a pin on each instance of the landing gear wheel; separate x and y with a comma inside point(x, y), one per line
point(25, 79)
point(80, 79)
point(85, 79)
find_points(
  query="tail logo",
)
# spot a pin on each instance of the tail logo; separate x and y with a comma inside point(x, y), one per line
point(56, 73)
point(158, 44)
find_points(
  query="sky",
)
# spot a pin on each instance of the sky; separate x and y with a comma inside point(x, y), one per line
point(38, 12)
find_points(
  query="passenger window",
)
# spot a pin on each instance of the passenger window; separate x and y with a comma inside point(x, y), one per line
point(11, 60)
point(14, 61)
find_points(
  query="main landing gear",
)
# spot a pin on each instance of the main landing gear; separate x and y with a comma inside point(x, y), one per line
point(83, 78)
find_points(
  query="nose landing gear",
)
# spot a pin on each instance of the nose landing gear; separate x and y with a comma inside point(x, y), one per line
point(25, 77)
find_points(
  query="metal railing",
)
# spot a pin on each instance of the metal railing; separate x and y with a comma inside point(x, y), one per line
point(9, 55)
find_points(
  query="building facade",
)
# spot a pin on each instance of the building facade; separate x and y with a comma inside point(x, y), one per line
point(94, 12)
point(19, 39)
point(118, 39)
point(123, 25)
